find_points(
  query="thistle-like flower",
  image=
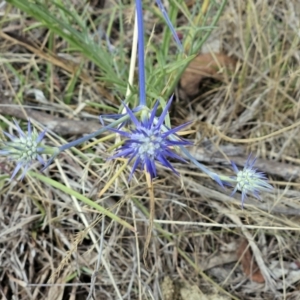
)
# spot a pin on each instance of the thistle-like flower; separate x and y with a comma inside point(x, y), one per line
point(250, 181)
point(148, 141)
point(23, 149)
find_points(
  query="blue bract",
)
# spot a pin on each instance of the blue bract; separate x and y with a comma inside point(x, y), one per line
point(148, 141)
point(250, 181)
point(23, 149)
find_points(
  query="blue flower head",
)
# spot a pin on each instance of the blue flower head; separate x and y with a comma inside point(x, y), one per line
point(149, 140)
point(250, 181)
point(23, 149)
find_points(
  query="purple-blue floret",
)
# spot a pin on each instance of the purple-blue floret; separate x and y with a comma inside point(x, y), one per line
point(23, 149)
point(250, 181)
point(148, 141)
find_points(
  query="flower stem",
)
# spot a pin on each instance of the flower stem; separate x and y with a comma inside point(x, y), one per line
point(178, 73)
point(141, 53)
point(93, 134)
point(171, 27)
point(83, 139)
point(211, 174)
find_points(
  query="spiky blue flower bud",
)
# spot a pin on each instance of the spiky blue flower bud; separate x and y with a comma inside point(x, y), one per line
point(25, 148)
point(250, 181)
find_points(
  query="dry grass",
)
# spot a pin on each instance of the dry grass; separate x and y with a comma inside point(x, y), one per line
point(49, 245)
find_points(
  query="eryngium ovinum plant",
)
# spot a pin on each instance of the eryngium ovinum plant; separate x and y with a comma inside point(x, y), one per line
point(147, 140)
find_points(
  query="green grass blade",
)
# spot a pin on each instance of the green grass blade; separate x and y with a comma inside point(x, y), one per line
point(82, 198)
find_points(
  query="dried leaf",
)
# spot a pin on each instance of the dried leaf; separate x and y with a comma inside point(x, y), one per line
point(205, 66)
point(249, 265)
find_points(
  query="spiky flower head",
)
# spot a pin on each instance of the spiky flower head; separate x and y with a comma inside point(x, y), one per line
point(250, 181)
point(24, 149)
point(149, 140)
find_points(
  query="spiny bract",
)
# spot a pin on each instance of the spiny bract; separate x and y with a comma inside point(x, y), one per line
point(23, 149)
point(148, 141)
